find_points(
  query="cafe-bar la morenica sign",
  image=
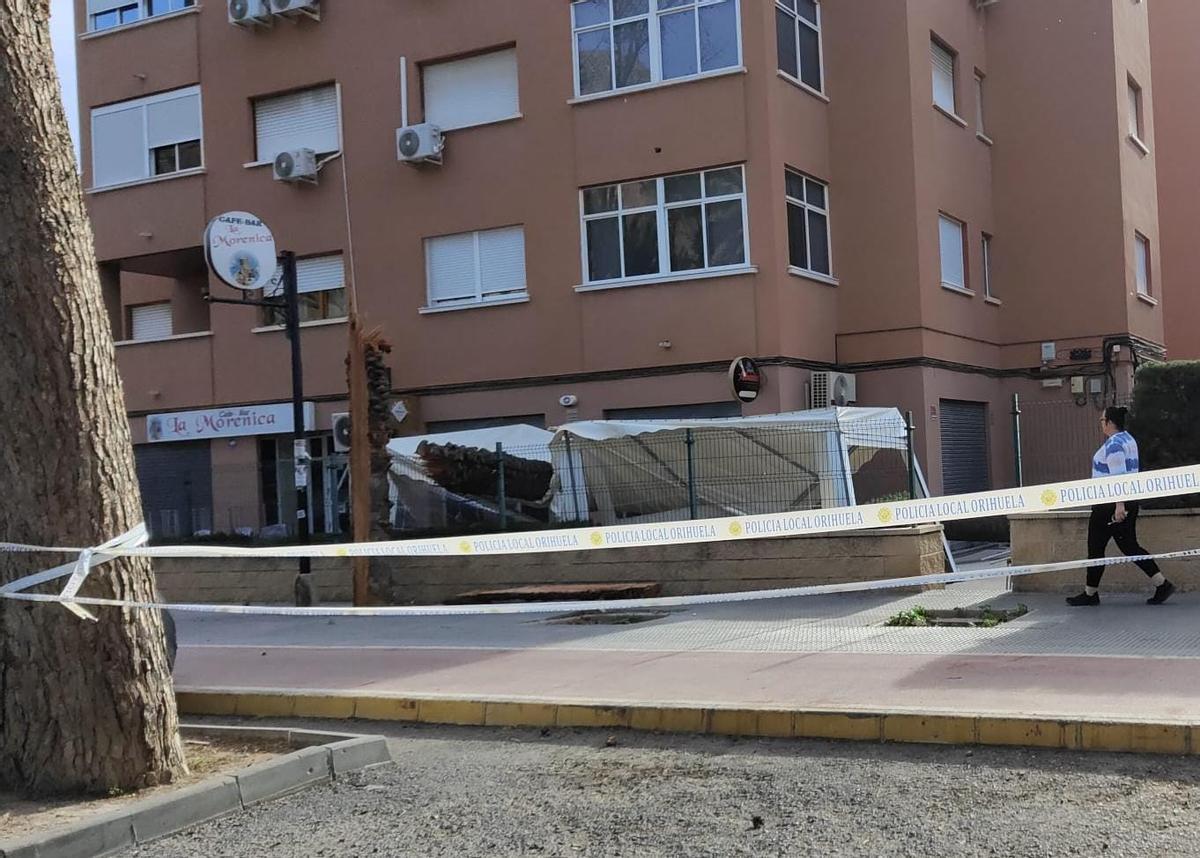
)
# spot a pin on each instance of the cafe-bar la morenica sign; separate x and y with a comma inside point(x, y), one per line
point(272, 419)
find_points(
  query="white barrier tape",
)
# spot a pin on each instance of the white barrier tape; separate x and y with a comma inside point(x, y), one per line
point(613, 604)
point(1030, 499)
point(78, 571)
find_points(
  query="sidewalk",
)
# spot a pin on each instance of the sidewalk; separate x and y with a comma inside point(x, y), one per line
point(810, 661)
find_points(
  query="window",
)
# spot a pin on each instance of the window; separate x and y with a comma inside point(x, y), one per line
point(150, 321)
point(103, 14)
point(175, 157)
point(623, 43)
point(476, 267)
point(979, 125)
point(473, 91)
point(954, 267)
point(321, 283)
point(943, 77)
point(985, 254)
point(146, 137)
point(1136, 119)
point(654, 227)
point(798, 41)
point(1142, 260)
point(299, 120)
point(808, 223)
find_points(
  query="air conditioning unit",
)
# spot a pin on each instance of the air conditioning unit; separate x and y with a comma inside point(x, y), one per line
point(420, 144)
point(341, 433)
point(298, 165)
point(296, 8)
point(249, 13)
point(832, 388)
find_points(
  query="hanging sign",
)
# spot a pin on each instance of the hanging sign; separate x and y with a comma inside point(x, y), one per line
point(240, 250)
point(745, 378)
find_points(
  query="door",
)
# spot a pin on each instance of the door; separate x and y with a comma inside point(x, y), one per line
point(964, 447)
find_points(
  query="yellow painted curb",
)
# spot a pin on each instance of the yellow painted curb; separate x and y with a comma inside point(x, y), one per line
point(1075, 734)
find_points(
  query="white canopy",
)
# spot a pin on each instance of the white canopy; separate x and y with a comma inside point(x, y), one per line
point(612, 471)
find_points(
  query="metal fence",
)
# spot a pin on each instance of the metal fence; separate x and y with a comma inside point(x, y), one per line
point(676, 474)
point(1058, 437)
point(685, 473)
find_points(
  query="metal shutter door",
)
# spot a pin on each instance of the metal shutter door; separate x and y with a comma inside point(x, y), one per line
point(176, 484)
point(150, 322)
point(300, 120)
point(964, 447)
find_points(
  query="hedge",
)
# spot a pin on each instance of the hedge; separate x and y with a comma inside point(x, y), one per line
point(1165, 419)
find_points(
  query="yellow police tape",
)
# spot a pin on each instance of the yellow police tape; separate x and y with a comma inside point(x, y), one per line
point(1027, 499)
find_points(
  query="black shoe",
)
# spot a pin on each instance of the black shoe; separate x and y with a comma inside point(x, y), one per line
point(1161, 593)
point(1083, 599)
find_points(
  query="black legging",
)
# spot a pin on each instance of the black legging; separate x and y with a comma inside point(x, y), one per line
point(1124, 534)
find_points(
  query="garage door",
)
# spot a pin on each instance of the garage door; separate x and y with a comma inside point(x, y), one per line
point(176, 483)
point(964, 447)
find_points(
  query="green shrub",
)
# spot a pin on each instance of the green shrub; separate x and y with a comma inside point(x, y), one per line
point(1165, 418)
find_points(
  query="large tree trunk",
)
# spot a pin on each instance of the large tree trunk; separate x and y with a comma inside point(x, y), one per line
point(83, 706)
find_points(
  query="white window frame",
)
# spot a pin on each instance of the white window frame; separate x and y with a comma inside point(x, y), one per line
point(807, 206)
point(980, 124)
point(143, 9)
point(142, 104)
point(1136, 109)
point(962, 227)
point(661, 208)
point(798, 22)
point(275, 316)
point(936, 44)
point(652, 16)
point(480, 298)
point(985, 257)
point(1141, 245)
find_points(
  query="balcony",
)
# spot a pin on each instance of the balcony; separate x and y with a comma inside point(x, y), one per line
point(160, 375)
point(156, 216)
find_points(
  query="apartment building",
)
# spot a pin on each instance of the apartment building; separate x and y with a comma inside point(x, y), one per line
point(927, 204)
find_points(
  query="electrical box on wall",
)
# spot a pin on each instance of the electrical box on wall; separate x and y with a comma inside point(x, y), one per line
point(1048, 352)
point(1077, 384)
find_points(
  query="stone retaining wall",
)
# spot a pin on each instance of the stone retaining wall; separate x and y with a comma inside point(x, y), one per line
point(716, 567)
point(1057, 536)
point(682, 570)
point(243, 581)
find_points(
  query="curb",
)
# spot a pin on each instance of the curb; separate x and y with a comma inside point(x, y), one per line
point(321, 758)
point(1143, 737)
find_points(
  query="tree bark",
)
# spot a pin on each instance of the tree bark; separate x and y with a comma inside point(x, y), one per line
point(84, 707)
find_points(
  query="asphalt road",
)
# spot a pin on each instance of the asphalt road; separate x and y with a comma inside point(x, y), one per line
point(466, 792)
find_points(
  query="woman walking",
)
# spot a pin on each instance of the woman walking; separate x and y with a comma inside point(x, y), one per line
point(1117, 455)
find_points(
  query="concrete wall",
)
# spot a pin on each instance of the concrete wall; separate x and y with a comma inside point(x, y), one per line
point(1058, 536)
point(682, 570)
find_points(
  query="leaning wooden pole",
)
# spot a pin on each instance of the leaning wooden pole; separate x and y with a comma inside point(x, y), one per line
point(360, 456)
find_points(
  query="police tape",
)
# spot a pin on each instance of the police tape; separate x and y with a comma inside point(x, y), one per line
point(1028, 499)
point(1039, 498)
point(605, 605)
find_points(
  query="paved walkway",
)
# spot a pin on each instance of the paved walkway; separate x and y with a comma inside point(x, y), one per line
point(1122, 661)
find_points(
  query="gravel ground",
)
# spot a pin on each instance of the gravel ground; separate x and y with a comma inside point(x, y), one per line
point(467, 792)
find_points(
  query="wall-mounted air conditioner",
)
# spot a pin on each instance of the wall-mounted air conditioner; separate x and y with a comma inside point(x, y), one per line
point(249, 13)
point(341, 433)
point(298, 165)
point(296, 8)
point(832, 388)
point(420, 144)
